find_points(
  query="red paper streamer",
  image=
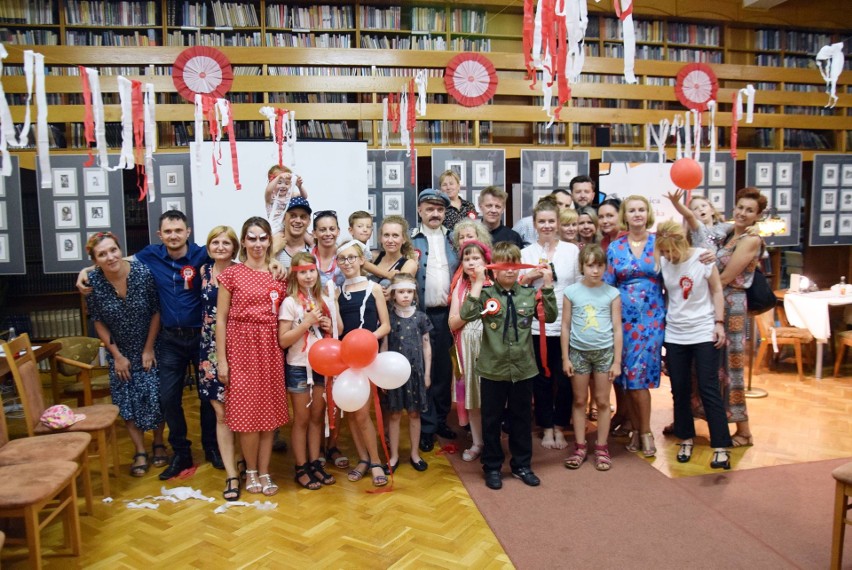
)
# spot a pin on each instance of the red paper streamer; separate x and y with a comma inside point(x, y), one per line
point(529, 24)
point(412, 121)
point(139, 136)
point(542, 338)
point(734, 126)
point(279, 133)
point(89, 118)
point(564, 95)
point(622, 15)
point(235, 167)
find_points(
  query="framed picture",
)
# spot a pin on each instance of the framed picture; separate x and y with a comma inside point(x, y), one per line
point(846, 200)
point(68, 247)
point(763, 174)
point(393, 204)
point(95, 182)
point(371, 204)
point(371, 174)
point(372, 243)
point(784, 174)
point(482, 172)
point(826, 225)
point(474, 198)
point(828, 200)
point(64, 182)
point(393, 175)
point(830, 174)
point(784, 199)
point(178, 204)
point(787, 222)
point(844, 225)
point(768, 193)
point(4, 223)
point(542, 173)
point(718, 174)
point(4, 248)
point(457, 166)
point(97, 213)
point(2, 186)
point(716, 196)
point(66, 214)
point(845, 175)
point(538, 195)
point(171, 179)
point(565, 171)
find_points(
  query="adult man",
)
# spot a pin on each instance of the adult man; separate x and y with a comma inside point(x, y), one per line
point(297, 218)
point(525, 227)
point(437, 261)
point(582, 191)
point(492, 204)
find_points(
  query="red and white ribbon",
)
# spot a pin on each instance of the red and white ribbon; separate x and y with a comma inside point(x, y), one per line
point(125, 96)
point(282, 125)
point(677, 125)
point(219, 116)
point(624, 11)
point(737, 113)
point(149, 111)
point(576, 16)
point(403, 119)
point(187, 272)
point(98, 116)
point(692, 136)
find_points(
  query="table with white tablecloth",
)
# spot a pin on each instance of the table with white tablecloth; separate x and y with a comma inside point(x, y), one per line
point(810, 311)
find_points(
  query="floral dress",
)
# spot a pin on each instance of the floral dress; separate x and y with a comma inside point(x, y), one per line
point(406, 337)
point(643, 312)
point(453, 215)
point(209, 387)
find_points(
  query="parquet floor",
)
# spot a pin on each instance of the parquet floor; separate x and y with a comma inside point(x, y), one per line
point(428, 520)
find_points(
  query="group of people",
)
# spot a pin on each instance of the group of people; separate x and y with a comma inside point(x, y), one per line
point(509, 325)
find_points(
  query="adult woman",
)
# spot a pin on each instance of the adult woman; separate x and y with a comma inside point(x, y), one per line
point(552, 412)
point(587, 226)
point(467, 230)
point(126, 311)
point(326, 232)
point(251, 364)
point(397, 253)
point(459, 208)
point(222, 247)
point(633, 270)
point(694, 334)
point(608, 225)
point(737, 260)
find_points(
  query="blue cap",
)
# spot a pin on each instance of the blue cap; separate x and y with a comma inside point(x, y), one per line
point(299, 202)
point(433, 195)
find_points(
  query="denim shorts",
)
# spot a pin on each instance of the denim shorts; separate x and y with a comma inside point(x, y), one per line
point(588, 361)
point(297, 379)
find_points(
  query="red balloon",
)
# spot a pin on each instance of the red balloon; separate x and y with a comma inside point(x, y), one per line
point(324, 357)
point(686, 173)
point(359, 349)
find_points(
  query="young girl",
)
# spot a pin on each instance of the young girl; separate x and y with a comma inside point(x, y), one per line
point(706, 228)
point(587, 226)
point(362, 305)
point(409, 335)
point(568, 225)
point(591, 349)
point(278, 192)
point(304, 316)
point(468, 341)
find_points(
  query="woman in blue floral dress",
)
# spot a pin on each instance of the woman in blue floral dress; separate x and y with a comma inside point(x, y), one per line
point(631, 268)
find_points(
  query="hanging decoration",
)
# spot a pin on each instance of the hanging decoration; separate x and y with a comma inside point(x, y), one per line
point(660, 135)
point(471, 79)
point(138, 124)
point(92, 81)
point(624, 11)
point(412, 122)
point(202, 70)
point(577, 19)
point(219, 117)
point(7, 126)
point(282, 125)
point(696, 84)
point(420, 80)
point(737, 113)
point(829, 60)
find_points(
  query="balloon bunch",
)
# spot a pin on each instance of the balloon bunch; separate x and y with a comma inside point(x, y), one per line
point(355, 361)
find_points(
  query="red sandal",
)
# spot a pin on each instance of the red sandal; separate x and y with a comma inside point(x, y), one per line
point(576, 459)
point(602, 459)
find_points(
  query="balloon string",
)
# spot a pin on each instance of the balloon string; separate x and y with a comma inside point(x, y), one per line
point(381, 427)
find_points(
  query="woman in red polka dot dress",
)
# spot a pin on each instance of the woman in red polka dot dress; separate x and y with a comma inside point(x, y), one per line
point(251, 364)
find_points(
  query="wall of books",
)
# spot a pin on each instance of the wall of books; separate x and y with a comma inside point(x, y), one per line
point(831, 200)
point(778, 175)
point(543, 171)
point(12, 255)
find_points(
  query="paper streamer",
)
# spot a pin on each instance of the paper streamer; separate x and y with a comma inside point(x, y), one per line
point(150, 140)
point(829, 60)
point(7, 126)
point(42, 144)
point(624, 11)
point(711, 129)
point(420, 82)
point(384, 123)
point(737, 113)
point(125, 95)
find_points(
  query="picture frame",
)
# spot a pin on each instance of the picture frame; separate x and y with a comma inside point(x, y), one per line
point(566, 170)
point(95, 182)
point(538, 195)
point(783, 199)
point(4, 222)
point(763, 174)
point(845, 200)
point(828, 200)
point(768, 193)
point(64, 181)
point(172, 179)
point(830, 174)
point(2, 186)
point(66, 214)
point(4, 248)
point(371, 204)
point(371, 174)
point(784, 174)
point(844, 225)
point(68, 247)
point(393, 175)
point(393, 204)
point(788, 220)
point(474, 199)
point(846, 175)
point(718, 174)
point(716, 196)
point(373, 243)
point(483, 173)
point(174, 203)
point(826, 225)
point(542, 173)
point(97, 214)
point(457, 166)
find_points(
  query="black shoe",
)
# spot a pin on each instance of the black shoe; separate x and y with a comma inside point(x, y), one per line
point(493, 480)
point(721, 459)
point(526, 475)
point(419, 465)
point(178, 464)
point(427, 442)
point(445, 432)
point(215, 458)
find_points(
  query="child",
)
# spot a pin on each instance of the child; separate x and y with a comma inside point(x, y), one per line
point(304, 316)
point(468, 340)
point(409, 335)
point(568, 225)
point(360, 229)
point(278, 193)
point(506, 363)
point(591, 349)
point(706, 228)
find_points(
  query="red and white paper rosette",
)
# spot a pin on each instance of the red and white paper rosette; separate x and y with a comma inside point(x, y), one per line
point(202, 70)
point(471, 79)
point(696, 86)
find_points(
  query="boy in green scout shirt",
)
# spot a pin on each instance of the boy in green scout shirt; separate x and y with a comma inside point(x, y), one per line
point(506, 363)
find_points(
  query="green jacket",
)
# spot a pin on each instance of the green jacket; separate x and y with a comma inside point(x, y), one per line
point(511, 359)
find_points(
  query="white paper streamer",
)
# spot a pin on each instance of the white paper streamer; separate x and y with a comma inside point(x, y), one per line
point(696, 132)
point(629, 39)
point(149, 111)
point(677, 124)
point(98, 112)
point(420, 81)
point(269, 113)
point(42, 143)
point(547, 88)
point(152, 506)
point(829, 60)
point(711, 107)
point(264, 506)
point(384, 123)
point(405, 138)
point(184, 493)
point(7, 126)
point(576, 20)
point(199, 129)
point(660, 137)
point(29, 62)
point(125, 158)
point(749, 92)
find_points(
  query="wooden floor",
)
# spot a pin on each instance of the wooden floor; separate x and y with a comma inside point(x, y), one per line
point(427, 521)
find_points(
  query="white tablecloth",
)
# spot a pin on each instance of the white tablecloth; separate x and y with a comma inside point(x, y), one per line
point(810, 310)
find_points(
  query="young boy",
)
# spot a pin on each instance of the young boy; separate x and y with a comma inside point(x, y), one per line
point(506, 363)
point(361, 228)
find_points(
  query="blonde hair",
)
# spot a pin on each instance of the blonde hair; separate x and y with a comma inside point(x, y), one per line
point(506, 252)
point(277, 169)
point(447, 174)
point(303, 258)
point(359, 250)
point(230, 233)
point(717, 217)
point(622, 211)
point(482, 233)
point(671, 236)
point(568, 216)
point(407, 248)
point(593, 216)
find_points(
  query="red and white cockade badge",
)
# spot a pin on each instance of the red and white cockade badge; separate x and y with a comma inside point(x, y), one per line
point(273, 296)
point(418, 254)
point(188, 274)
point(471, 215)
point(686, 285)
point(492, 307)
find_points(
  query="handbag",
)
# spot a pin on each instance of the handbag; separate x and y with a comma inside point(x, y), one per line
point(759, 296)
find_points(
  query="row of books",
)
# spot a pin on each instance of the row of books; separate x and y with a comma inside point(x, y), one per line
point(800, 138)
point(443, 132)
point(768, 39)
point(646, 31)
point(29, 37)
point(55, 323)
point(28, 12)
point(807, 42)
point(338, 130)
point(191, 14)
point(694, 55)
point(470, 44)
point(380, 18)
point(555, 135)
point(144, 38)
point(311, 98)
point(469, 21)
point(322, 17)
point(308, 40)
point(695, 34)
point(234, 15)
point(428, 20)
point(101, 13)
point(214, 39)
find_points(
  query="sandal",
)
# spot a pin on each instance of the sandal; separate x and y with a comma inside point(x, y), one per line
point(232, 491)
point(685, 452)
point(356, 474)
point(379, 480)
point(472, 454)
point(742, 440)
point(619, 431)
point(140, 470)
point(242, 469)
point(721, 459)
point(319, 473)
point(269, 488)
point(633, 445)
point(648, 447)
point(602, 459)
point(159, 459)
point(576, 459)
point(252, 484)
point(303, 471)
point(339, 460)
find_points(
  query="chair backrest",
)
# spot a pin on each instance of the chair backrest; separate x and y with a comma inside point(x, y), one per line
point(765, 321)
point(24, 368)
point(4, 429)
point(80, 348)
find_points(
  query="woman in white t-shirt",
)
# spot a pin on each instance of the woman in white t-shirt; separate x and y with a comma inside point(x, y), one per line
point(695, 332)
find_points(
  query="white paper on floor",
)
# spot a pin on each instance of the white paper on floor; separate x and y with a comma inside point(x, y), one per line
point(264, 506)
point(175, 495)
point(133, 505)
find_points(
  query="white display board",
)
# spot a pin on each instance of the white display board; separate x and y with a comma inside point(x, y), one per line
point(334, 175)
point(650, 179)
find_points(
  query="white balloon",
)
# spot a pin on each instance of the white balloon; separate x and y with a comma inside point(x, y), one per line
point(351, 390)
point(389, 370)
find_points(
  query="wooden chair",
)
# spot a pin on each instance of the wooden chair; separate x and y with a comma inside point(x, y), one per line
point(100, 418)
point(843, 476)
point(783, 336)
point(75, 360)
point(844, 339)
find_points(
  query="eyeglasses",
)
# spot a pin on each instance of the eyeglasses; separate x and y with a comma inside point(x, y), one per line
point(347, 260)
point(324, 213)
